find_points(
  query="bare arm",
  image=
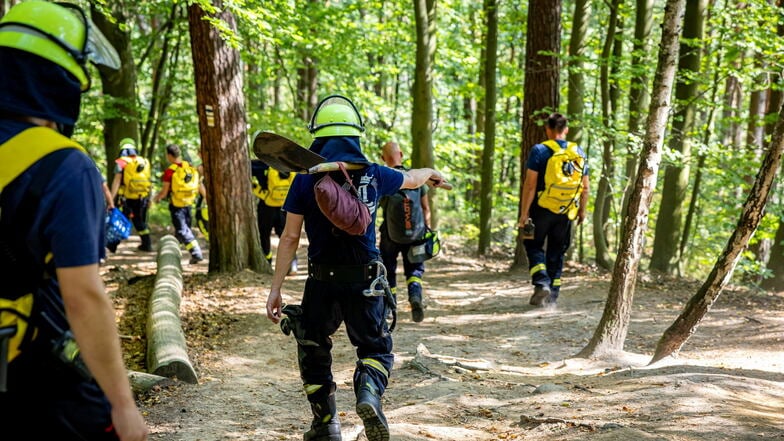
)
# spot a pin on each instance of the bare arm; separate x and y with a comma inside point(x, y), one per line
point(529, 191)
point(426, 208)
point(116, 184)
point(163, 193)
point(287, 249)
point(91, 316)
point(583, 201)
point(107, 194)
point(418, 177)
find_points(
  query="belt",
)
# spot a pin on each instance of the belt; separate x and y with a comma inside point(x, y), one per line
point(343, 273)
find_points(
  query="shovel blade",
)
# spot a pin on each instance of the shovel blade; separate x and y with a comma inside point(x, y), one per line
point(283, 154)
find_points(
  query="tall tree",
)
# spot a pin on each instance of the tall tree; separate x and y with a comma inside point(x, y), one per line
point(753, 210)
point(602, 201)
point(577, 45)
point(119, 86)
point(639, 91)
point(669, 224)
point(422, 93)
point(614, 324)
point(540, 87)
point(234, 237)
point(486, 195)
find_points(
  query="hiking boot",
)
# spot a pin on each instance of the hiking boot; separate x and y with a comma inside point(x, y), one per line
point(196, 259)
point(112, 246)
point(415, 299)
point(325, 425)
point(417, 311)
point(541, 293)
point(293, 268)
point(147, 248)
point(329, 431)
point(146, 243)
point(369, 409)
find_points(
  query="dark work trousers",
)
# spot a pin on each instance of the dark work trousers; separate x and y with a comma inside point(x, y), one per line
point(181, 219)
point(324, 306)
point(47, 401)
point(269, 218)
point(546, 265)
point(389, 251)
point(136, 211)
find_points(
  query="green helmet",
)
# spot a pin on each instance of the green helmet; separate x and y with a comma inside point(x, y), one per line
point(336, 115)
point(60, 33)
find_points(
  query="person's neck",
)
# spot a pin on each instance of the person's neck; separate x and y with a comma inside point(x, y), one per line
point(39, 122)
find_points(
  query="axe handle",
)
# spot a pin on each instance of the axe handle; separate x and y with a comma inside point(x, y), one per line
point(333, 166)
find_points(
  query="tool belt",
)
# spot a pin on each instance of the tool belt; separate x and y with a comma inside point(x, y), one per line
point(343, 273)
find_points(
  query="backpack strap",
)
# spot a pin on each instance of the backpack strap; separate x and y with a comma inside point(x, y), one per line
point(342, 167)
point(27, 148)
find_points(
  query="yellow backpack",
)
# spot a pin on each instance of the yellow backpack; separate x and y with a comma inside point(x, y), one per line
point(277, 187)
point(184, 184)
point(16, 156)
point(136, 177)
point(563, 180)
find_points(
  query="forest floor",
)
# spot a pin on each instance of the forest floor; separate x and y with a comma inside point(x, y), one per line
point(483, 365)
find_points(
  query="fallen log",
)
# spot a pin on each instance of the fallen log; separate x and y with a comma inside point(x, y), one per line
point(167, 353)
point(142, 382)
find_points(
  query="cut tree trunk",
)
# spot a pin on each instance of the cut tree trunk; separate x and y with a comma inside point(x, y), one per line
point(167, 352)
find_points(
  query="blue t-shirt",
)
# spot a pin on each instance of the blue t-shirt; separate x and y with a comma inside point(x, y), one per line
point(540, 154)
point(328, 244)
point(70, 219)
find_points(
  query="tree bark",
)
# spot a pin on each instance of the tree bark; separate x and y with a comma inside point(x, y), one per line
point(540, 88)
point(422, 94)
point(234, 236)
point(611, 333)
point(119, 86)
point(686, 324)
point(603, 198)
point(488, 152)
point(669, 223)
point(639, 93)
point(576, 103)
point(167, 351)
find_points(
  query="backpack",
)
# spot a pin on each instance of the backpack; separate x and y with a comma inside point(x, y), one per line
point(404, 217)
point(278, 184)
point(136, 177)
point(342, 207)
point(184, 184)
point(16, 156)
point(563, 180)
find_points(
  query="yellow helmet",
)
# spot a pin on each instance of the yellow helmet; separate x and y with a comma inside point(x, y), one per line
point(336, 115)
point(59, 32)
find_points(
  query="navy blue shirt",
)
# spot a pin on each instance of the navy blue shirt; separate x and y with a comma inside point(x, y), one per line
point(70, 219)
point(327, 244)
point(540, 154)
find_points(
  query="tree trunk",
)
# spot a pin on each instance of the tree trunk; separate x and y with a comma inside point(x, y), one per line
point(576, 103)
point(686, 324)
point(486, 197)
point(611, 333)
point(602, 201)
point(669, 223)
point(639, 93)
point(540, 88)
point(234, 236)
point(422, 93)
point(119, 86)
point(167, 351)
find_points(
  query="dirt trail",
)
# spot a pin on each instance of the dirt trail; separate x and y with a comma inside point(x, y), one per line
point(482, 366)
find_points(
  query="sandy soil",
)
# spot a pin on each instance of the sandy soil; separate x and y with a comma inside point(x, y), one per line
point(483, 365)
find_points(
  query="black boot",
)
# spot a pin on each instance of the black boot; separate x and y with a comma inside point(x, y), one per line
point(325, 425)
point(146, 243)
point(415, 299)
point(369, 407)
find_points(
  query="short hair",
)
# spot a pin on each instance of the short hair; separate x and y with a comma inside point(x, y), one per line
point(173, 149)
point(557, 122)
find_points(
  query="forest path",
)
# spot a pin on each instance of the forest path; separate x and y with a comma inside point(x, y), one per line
point(483, 365)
